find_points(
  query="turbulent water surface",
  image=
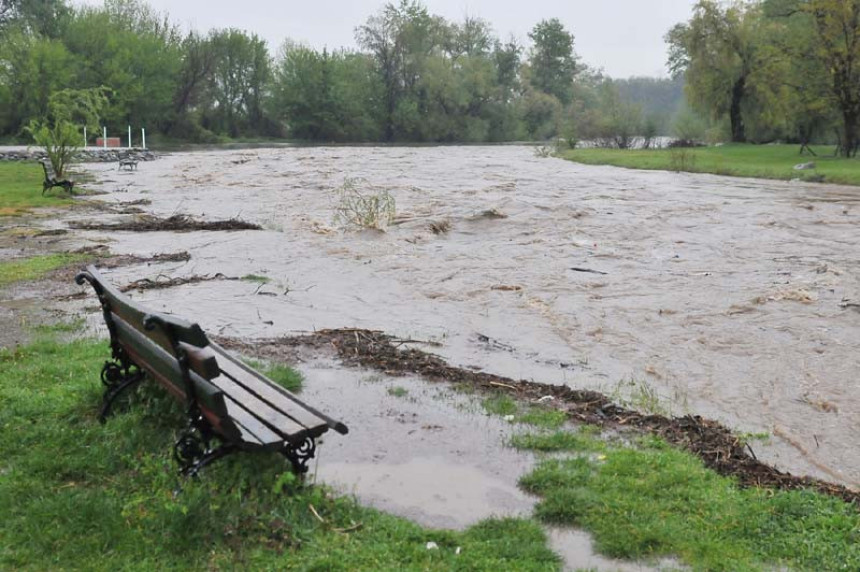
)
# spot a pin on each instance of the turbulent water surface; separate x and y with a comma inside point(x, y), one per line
point(731, 298)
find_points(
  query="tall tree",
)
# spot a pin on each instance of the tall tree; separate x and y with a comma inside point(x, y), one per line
point(241, 73)
point(400, 39)
point(552, 60)
point(719, 51)
point(834, 43)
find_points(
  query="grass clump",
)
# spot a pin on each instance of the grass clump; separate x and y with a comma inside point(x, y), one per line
point(398, 391)
point(363, 210)
point(285, 376)
point(75, 494)
point(658, 501)
point(558, 441)
point(500, 405)
point(21, 269)
point(736, 159)
point(256, 278)
point(537, 415)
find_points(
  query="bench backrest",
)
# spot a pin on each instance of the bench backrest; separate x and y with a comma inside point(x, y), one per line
point(149, 338)
point(50, 175)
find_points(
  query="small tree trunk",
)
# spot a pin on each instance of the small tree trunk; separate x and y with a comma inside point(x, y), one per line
point(735, 116)
point(849, 134)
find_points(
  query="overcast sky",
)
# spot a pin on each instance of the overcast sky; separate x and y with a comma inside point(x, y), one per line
point(624, 37)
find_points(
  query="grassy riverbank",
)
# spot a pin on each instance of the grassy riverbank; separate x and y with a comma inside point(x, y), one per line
point(762, 161)
point(21, 189)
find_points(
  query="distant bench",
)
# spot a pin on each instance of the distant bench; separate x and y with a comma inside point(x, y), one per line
point(128, 163)
point(226, 400)
point(52, 181)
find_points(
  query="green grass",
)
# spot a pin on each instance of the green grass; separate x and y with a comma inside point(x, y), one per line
point(256, 278)
point(764, 161)
point(580, 441)
point(537, 415)
point(285, 376)
point(75, 494)
point(21, 189)
point(654, 500)
point(398, 391)
point(21, 269)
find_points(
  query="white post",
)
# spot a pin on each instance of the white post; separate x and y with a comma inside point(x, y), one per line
point(85, 136)
point(129, 136)
point(104, 137)
point(143, 137)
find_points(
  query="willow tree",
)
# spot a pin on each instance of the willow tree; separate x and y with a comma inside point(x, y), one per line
point(834, 43)
point(719, 51)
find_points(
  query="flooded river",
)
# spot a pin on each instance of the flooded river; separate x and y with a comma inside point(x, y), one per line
point(730, 298)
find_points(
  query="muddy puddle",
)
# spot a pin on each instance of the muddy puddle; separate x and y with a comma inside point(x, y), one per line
point(730, 298)
point(427, 453)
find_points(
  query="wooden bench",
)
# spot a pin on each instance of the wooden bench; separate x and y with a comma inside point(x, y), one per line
point(226, 400)
point(127, 163)
point(51, 180)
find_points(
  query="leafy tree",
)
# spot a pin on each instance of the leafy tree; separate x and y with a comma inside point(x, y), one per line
point(240, 76)
point(552, 61)
point(40, 17)
point(719, 52)
point(60, 131)
point(833, 43)
point(400, 39)
point(31, 69)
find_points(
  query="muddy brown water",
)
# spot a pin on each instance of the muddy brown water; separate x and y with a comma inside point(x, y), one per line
point(725, 297)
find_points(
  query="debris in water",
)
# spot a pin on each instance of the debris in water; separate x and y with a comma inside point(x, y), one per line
point(578, 269)
point(440, 227)
point(157, 284)
point(490, 214)
point(506, 288)
point(175, 223)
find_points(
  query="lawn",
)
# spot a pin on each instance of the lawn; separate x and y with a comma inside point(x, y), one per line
point(740, 160)
point(21, 188)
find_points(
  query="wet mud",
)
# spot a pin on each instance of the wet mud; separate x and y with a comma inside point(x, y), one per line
point(716, 445)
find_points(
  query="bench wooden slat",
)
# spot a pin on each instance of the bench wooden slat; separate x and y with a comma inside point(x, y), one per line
point(251, 426)
point(275, 419)
point(279, 397)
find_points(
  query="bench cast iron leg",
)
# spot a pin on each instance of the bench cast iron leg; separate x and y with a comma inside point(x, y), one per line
point(193, 452)
point(116, 380)
point(300, 454)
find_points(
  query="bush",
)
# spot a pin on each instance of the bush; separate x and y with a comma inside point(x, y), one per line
point(354, 209)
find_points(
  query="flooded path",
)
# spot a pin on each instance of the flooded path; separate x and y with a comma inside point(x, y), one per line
point(730, 298)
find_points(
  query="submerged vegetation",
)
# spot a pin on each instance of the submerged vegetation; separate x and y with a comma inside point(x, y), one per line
point(363, 208)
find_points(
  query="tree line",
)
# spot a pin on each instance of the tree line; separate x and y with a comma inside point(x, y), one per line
point(774, 69)
point(415, 77)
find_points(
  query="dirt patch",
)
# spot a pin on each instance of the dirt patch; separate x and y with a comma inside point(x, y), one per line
point(715, 444)
point(175, 223)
